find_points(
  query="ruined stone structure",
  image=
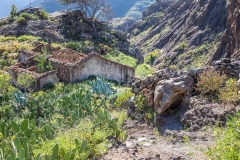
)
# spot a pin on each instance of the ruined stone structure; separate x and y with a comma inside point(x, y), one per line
point(23, 55)
point(69, 67)
point(72, 67)
point(40, 79)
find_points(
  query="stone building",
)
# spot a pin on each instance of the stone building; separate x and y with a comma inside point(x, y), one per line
point(40, 79)
point(72, 67)
point(69, 67)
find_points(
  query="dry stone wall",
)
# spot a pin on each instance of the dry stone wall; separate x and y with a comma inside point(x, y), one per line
point(148, 86)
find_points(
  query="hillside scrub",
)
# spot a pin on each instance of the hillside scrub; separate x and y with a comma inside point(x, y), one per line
point(228, 140)
point(66, 122)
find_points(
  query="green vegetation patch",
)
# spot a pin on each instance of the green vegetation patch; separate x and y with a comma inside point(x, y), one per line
point(122, 58)
point(143, 70)
point(198, 57)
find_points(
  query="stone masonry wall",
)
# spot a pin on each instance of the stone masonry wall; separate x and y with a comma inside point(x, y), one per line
point(96, 65)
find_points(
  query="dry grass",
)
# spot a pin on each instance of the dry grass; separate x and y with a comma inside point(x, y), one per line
point(210, 82)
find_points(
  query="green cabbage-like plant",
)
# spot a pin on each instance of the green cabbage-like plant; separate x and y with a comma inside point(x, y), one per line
point(19, 100)
point(101, 87)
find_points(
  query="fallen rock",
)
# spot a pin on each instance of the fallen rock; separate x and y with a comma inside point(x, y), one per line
point(173, 92)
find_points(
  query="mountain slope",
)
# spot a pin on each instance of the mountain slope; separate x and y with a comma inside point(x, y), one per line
point(186, 32)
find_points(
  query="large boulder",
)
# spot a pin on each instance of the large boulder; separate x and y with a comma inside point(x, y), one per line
point(173, 92)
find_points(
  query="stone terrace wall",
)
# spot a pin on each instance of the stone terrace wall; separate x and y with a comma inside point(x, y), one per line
point(98, 66)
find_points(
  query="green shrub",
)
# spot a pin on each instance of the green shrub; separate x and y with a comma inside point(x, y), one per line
point(28, 16)
point(21, 21)
point(228, 141)
point(184, 45)
point(43, 64)
point(151, 57)
point(230, 91)
point(26, 38)
point(3, 22)
point(140, 102)
point(210, 82)
point(43, 14)
point(122, 99)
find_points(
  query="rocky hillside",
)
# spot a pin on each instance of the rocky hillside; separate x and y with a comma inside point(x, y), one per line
point(64, 27)
point(185, 33)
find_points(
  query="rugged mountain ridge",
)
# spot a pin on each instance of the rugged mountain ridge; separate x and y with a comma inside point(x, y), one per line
point(229, 45)
point(186, 32)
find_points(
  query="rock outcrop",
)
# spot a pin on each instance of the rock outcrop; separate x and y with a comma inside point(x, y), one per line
point(229, 46)
point(203, 114)
point(168, 88)
point(172, 93)
point(186, 31)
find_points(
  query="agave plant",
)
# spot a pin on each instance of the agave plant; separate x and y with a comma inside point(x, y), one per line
point(19, 100)
point(101, 87)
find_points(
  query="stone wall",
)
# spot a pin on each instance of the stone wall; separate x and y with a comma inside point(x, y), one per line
point(40, 79)
point(228, 67)
point(24, 55)
point(147, 86)
point(98, 66)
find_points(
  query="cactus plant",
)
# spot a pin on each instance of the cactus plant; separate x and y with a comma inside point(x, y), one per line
point(100, 86)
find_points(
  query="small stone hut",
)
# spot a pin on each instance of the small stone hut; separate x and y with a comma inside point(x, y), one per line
point(72, 67)
point(40, 79)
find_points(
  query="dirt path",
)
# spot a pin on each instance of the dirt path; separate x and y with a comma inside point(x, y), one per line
point(144, 143)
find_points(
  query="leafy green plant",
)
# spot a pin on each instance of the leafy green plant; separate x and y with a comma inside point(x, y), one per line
point(184, 45)
point(122, 99)
point(101, 87)
point(19, 100)
point(229, 93)
point(43, 64)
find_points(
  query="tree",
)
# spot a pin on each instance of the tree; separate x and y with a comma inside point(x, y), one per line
point(93, 9)
point(13, 12)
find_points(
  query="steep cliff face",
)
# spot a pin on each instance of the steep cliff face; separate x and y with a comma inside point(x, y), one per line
point(229, 45)
point(186, 32)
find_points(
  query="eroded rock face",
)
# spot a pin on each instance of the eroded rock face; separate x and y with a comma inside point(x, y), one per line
point(172, 92)
point(229, 45)
point(168, 23)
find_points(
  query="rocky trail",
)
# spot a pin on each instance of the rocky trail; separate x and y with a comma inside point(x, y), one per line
point(145, 142)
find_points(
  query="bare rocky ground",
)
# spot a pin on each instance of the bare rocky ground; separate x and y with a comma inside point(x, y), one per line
point(170, 142)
